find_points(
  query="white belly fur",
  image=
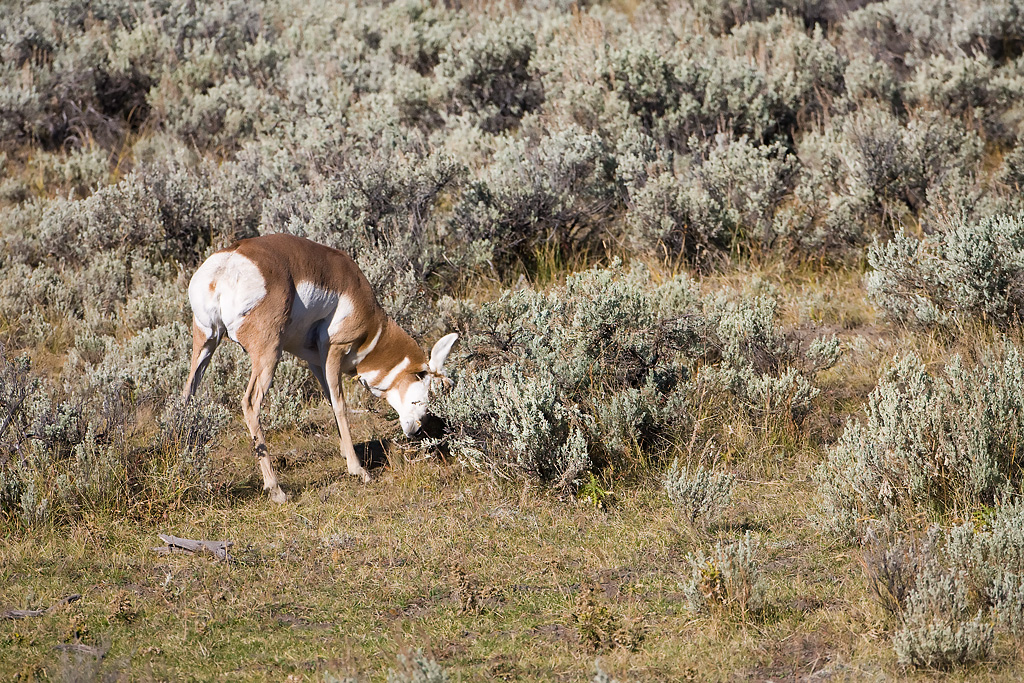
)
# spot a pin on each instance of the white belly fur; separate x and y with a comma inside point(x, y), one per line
point(318, 310)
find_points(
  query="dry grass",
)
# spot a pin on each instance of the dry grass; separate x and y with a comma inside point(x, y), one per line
point(490, 582)
point(496, 584)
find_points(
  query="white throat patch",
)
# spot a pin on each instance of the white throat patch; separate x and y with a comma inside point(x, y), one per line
point(390, 378)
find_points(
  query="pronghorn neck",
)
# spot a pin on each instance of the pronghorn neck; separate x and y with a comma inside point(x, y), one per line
point(394, 353)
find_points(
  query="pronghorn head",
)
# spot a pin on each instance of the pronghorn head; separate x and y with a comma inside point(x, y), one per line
point(409, 390)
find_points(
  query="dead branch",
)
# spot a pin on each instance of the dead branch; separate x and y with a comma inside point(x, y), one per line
point(218, 549)
point(25, 613)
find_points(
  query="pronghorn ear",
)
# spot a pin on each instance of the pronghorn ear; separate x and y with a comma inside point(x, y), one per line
point(439, 354)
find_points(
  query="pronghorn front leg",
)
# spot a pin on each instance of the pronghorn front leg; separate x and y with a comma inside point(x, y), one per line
point(332, 370)
point(263, 366)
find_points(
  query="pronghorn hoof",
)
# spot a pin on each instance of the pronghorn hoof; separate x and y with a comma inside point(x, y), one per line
point(277, 495)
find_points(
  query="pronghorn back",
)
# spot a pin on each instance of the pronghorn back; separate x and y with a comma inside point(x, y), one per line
point(314, 279)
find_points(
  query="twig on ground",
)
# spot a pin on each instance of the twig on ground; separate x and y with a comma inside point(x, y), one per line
point(24, 613)
point(218, 549)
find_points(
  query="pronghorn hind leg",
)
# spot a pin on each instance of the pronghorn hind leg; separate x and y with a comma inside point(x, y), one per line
point(203, 347)
point(332, 371)
point(263, 366)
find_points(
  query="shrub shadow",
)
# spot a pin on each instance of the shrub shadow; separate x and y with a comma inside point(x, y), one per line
point(373, 454)
point(740, 526)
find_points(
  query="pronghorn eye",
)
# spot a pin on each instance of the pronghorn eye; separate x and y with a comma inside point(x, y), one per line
point(422, 375)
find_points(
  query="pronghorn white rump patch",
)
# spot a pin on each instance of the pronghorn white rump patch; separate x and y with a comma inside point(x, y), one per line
point(223, 291)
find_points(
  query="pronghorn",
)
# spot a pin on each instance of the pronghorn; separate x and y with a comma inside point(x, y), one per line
point(285, 293)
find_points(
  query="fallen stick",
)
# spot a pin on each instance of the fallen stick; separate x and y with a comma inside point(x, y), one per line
point(219, 549)
point(25, 613)
point(83, 649)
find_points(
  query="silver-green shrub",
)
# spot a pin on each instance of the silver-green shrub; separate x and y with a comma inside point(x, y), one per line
point(187, 431)
point(79, 170)
point(726, 579)
point(148, 366)
point(969, 270)
point(891, 570)
point(944, 442)
point(804, 71)
point(870, 170)
point(42, 437)
point(913, 29)
point(487, 73)
point(698, 491)
point(590, 122)
point(602, 676)
point(966, 590)
point(867, 78)
point(770, 371)
point(116, 215)
point(1007, 595)
point(71, 92)
point(721, 16)
point(33, 300)
point(678, 94)
point(417, 668)
point(723, 202)
point(959, 86)
point(606, 361)
point(992, 555)
point(939, 630)
point(551, 189)
point(959, 56)
point(551, 381)
point(382, 208)
point(87, 446)
point(896, 162)
point(16, 388)
point(416, 33)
